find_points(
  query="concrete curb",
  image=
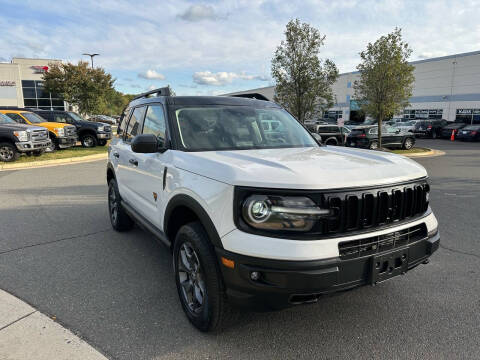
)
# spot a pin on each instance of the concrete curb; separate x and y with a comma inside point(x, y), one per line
point(45, 163)
point(25, 333)
point(430, 153)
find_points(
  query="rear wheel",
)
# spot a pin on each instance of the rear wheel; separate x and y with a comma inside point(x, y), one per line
point(8, 152)
point(408, 143)
point(118, 217)
point(331, 142)
point(373, 145)
point(198, 279)
point(88, 141)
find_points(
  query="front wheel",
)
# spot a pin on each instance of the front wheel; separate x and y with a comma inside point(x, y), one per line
point(198, 279)
point(88, 141)
point(8, 152)
point(408, 144)
point(373, 145)
point(102, 142)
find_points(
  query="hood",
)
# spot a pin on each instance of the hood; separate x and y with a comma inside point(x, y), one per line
point(324, 167)
point(91, 124)
point(51, 124)
point(19, 127)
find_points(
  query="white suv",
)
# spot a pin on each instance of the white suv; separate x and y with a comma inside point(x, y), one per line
point(258, 219)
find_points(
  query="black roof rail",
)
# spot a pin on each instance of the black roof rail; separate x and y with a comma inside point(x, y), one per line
point(165, 91)
point(251, 96)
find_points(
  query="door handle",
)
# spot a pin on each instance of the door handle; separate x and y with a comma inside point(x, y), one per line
point(133, 162)
point(116, 154)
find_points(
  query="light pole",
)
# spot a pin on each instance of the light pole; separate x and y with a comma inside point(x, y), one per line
point(91, 57)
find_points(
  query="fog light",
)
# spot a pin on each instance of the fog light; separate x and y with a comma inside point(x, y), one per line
point(254, 275)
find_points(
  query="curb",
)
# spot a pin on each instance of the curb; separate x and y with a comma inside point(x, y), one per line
point(46, 163)
point(25, 333)
point(431, 153)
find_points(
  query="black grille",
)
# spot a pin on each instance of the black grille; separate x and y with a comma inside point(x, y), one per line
point(70, 131)
point(377, 244)
point(370, 208)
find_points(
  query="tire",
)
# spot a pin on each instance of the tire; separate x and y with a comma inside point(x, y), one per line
point(331, 142)
point(408, 143)
point(38, 152)
point(102, 142)
point(88, 141)
point(118, 217)
point(198, 279)
point(434, 134)
point(373, 145)
point(8, 152)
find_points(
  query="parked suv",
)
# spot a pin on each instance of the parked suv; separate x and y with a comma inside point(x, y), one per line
point(367, 137)
point(261, 222)
point(62, 135)
point(429, 128)
point(17, 138)
point(330, 134)
point(90, 133)
point(454, 127)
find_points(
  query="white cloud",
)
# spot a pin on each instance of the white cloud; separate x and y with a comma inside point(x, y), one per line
point(199, 12)
point(222, 78)
point(152, 75)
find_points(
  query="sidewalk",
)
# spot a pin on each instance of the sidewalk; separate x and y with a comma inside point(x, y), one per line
point(26, 334)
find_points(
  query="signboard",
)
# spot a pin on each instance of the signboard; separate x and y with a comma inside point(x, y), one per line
point(464, 111)
point(39, 69)
point(7, 83)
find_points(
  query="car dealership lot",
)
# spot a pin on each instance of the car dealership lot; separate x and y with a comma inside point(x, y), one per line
point(58, 253)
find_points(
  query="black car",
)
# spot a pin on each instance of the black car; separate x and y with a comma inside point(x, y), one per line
point(469, 133)
point(367, 137)
point(90, 133)
point(429, 128)
point(447, 130)
point(330, 134)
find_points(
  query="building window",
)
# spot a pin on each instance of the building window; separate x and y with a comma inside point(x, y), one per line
point(333, 114)
point(468, 116)
point(35, 96)
point(423, 114)
point(349, 84)
point(348, 98)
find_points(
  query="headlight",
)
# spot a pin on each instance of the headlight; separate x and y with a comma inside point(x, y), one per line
point(101, 128)
point(21, 135)
point(59, 131)
point(282, 213)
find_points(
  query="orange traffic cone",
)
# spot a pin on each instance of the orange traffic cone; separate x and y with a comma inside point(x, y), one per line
point(452, 137)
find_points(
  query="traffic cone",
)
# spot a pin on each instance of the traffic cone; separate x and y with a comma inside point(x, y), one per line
point(452, 137)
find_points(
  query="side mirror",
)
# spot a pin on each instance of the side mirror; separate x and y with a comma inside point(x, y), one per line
point(146, 144)
point(317, 137)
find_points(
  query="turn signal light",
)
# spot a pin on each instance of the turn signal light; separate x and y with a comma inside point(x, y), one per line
point(228, 263)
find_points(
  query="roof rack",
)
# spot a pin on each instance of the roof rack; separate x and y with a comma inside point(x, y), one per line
point(165, 91)
point(256, 96)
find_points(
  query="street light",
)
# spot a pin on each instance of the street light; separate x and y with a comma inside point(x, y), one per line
point(91, 57)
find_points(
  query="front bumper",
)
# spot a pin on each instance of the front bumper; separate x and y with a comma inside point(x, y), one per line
point(26, 146)
point(286, 283)
point(104, 136)
point(67, 141)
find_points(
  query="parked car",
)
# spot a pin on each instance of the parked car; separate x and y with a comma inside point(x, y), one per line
point(259, 223)
point(62, 135)
point(89, 133)
point(331, 134)
point(429, 128)
point(367, 137)
point(406, 126)
point(469, 133)
point(19, 138)
point(446, 132)
point(103, 119)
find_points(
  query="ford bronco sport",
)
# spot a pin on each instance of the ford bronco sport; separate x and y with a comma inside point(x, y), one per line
point(257, 221)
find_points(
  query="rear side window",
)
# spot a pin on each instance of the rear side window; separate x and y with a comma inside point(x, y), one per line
point(123, 121)
point(155, 122)
point(135, 124)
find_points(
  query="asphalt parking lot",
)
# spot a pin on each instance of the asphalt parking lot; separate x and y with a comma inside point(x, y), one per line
point(58, 253)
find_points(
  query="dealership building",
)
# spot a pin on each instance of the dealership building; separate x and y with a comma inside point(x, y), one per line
point(21, 84)
point(446, 87)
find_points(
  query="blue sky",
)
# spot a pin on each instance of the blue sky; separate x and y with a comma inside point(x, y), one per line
point(215, 47)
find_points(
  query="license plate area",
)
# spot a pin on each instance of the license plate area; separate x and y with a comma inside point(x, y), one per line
point(386, 266)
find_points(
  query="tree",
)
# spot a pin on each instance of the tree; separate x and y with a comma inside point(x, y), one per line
point(79, 85)
point(114, 102)
point(386, 78)
point(303, 80)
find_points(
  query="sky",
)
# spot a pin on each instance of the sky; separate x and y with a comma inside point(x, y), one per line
point(216, 47)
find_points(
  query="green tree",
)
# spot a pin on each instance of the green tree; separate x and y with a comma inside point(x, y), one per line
point(79, 85)
point(303, 80)
point(114, 102)
point(386, 78)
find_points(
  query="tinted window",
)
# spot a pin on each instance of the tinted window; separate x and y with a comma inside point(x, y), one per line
point(134, 124)
point(61, 118)
point(155, 122)
point(472, 127)
point(123, 121)
point(16, 117)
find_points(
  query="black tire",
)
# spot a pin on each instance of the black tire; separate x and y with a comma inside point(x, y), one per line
point(88, 140)
point(118, 216)
point(214, 311)
point(102, 142)
point(331, 142)
point(38, 152)
point(408, 143)
point(8, 152)
point(373, 145)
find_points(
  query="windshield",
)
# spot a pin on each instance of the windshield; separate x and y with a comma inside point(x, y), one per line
point(4, 119)
point(454, 126)
point(239, 128)
point(75, 116)
point(472, 127)
point(33, 118)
